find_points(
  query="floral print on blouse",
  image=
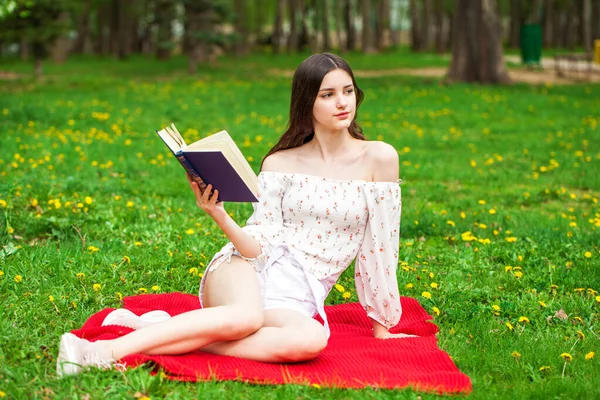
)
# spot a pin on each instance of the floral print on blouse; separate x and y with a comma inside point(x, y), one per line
point(328, 223)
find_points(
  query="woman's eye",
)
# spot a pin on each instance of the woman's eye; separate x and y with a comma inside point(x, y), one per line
point(349, 90)
point(326, 95)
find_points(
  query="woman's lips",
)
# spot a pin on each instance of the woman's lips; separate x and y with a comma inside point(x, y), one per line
point(343, 115)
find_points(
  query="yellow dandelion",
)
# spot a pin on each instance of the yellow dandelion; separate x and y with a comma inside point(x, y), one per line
point(10, 230)
point(510, 239)
point(580, 335)
point(544, 368)
point(436, 311)
point(588, 254)
point(18, 279)
point(346, 295)
point(130, 204)
point(137, 244)
point(51, 298)
point(518, 274)
point(193, 271)
point(142, 290)
point(1, 274)
point(427, 295)
point(190, 231)
point(541, 303)
point(566, 356)
point(2, 394)
point(119, 295)
point(80, 275)
point(515, 354)
point(93, 249)
point(463, 215)
point(96, 287)
point(339, 288)
point(590, 355)
point(433, 285)
point(409, 286)
point(509, 326)
point(524, 320)
point(88, 200)
point(496, 307)
point(155, 288)
point(492, 211)
point(451, 223)
point(598, 299)
point(126, 259)
point(481, 202)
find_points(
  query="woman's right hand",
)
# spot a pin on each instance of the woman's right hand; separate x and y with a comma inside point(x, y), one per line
point(204, 200)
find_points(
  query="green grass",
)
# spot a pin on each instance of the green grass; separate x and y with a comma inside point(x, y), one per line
point(530, 154)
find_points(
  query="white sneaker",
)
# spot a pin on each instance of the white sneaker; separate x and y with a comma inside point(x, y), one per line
point(124, 317)
point(75, 354)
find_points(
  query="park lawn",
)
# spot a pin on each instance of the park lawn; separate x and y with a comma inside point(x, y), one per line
point(499, 227)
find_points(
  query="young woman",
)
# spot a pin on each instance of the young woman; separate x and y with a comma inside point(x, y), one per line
point(326, 197)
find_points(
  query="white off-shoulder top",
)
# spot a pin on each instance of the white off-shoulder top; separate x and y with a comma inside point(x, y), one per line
point(326, 224)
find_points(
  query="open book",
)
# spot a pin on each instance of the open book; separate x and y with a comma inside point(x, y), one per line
point(215, 160)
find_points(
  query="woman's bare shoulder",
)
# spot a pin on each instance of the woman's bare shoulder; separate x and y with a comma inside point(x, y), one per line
point(383, 158)
point(280, 160)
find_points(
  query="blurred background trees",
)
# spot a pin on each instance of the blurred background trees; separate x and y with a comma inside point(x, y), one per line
point(204, 29)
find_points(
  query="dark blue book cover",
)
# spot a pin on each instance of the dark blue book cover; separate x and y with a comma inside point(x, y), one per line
point(213, 168)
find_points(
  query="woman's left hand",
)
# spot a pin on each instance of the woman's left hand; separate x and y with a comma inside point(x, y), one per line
point(388, 335)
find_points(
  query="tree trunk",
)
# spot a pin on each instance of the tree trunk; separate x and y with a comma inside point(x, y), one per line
point(570, 26)
point(586, 25)
point(339, 18)
point(83, 28)
point(595, 29)
point(200, 16)
point(349, 24)
point(440, 42)
point(415, 40)
point(241, 28)
point(367, 30)
point(24, 49)
point(325, 26)
point(164, 16)
point(278, 31)
point(477, 44)
point(62, 44)
point(426, 26)
point(384, 35)
point(515, 23)
point(548, 23)
point(102, 44)
point(292, 43)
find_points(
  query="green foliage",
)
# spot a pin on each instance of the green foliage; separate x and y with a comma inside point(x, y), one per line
point(500, 215)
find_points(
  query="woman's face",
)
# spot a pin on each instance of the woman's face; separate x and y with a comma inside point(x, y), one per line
point(335, 105)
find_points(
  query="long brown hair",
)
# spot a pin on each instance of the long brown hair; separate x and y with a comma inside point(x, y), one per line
point(305, 87)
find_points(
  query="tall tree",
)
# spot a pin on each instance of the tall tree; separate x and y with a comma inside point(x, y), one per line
point(477, 44)
point(416, 42)
point(339, 18)
point(440, 11)
point(83, 28)
point(426, 25)
point(325, 25)
point(278, 28)
point(595, 20)
point(515, 23)
point(384, 33)
point(548, 27)
point(367, 29)
point(585, 21)
point(294, 11)
point(199, 14)
point(164, 13)
point(349, 25)
point(241, 27)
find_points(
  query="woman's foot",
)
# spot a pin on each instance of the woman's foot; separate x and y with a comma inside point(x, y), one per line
point(75, 354)
point(124, 317)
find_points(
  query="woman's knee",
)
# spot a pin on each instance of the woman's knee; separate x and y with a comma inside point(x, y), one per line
point(305, 344)
point(240, 322)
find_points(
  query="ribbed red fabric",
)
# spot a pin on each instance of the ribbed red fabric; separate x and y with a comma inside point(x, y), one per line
point(353, 357)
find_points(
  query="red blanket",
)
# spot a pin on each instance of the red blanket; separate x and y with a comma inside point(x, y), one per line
point(353, 357)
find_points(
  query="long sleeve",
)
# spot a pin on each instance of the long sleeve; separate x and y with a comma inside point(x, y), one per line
point(377, 258)
point(265, 224)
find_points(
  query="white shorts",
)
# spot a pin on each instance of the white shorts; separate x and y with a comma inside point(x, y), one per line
point(286, 285)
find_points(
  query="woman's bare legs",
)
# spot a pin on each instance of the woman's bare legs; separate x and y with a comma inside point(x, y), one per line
point(234, 310)
point(286, 336)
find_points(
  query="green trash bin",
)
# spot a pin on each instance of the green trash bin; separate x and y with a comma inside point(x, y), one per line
point(531, 43)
